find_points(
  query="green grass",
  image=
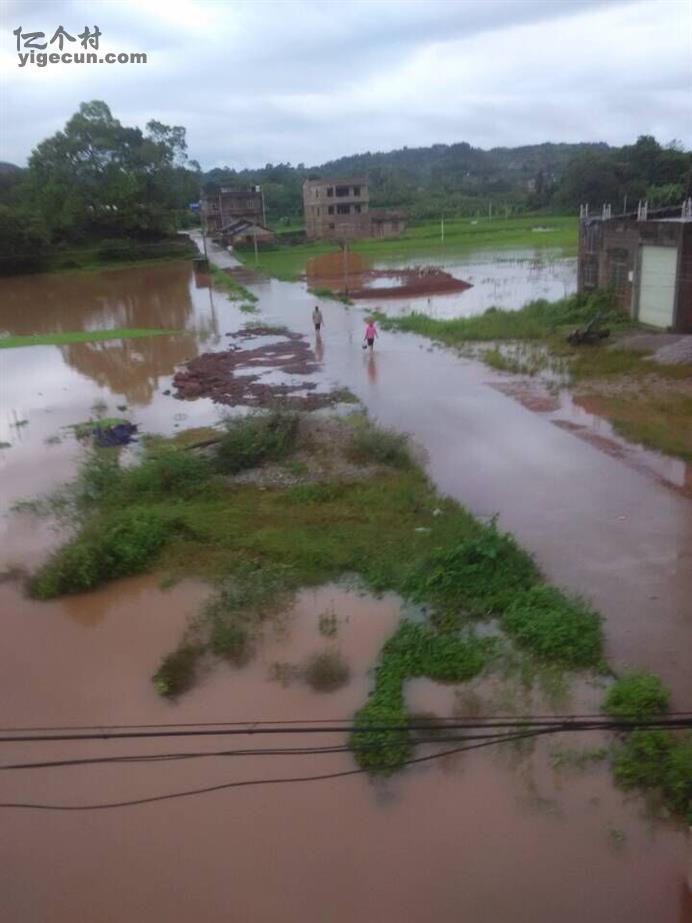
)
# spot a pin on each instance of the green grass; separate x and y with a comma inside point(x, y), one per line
point(116, 254)
point(461, 236)
point(376, 446)
point(636, 695)
point(81, 336)
point(233, 288)
point(259, 438)
point(658, 762)
point(329, 293)
point(554, 628)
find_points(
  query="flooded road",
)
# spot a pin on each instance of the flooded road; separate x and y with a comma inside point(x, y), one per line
point(491, 836)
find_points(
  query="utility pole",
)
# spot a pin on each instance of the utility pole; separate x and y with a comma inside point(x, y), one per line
point(442, 229)
point(254, 238)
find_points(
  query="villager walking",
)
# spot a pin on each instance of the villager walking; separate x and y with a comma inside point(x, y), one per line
point(317, 318)
point(370, 334)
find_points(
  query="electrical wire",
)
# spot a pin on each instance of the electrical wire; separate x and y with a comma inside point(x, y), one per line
point(102, 806)
point(681, 719)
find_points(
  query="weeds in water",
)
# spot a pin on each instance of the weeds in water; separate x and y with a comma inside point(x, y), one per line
point(248, 308)
point(178, 670)
point(637, 695)
point(328, 623)
point(326, 672)
point(414, 650)
point(252, 440)
point(554, 627)
point(127, 542)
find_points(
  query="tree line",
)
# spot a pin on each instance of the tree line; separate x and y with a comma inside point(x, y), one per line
point(98, 181)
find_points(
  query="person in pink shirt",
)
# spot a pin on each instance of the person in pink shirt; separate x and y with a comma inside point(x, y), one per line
point(370, 333)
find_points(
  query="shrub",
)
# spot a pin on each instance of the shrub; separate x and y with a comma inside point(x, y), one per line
point(327, 671)
point(554, 627)
point(482, 574)
point(125, 543)
point(177, 671)
point(370, 445)
point(658, 761)
point(256, 439)
point(636, 695)
point(168, 473)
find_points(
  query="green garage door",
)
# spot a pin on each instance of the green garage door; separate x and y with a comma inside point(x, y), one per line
point(657, 289)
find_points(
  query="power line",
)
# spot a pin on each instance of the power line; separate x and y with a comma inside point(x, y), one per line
point(251, 782)
point(677, 720)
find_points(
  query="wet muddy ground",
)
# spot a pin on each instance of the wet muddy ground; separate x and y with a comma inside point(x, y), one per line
point(493, 835)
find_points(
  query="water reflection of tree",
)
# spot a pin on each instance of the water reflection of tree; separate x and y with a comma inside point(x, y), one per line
point(155, 296)
point(131, 367)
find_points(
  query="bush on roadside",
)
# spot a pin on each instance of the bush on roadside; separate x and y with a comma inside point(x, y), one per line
point(370, 445)
point(253, 440)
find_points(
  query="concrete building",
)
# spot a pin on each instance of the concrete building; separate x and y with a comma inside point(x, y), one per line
point(645, 259)
point(222, 208)
point(339, 208)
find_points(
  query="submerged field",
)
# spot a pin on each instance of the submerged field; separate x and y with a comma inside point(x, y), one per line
point(425, 240)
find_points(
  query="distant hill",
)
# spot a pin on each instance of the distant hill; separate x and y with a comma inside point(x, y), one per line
point(442, 178)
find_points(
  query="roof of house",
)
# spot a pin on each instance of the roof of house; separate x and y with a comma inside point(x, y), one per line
point(337, 181)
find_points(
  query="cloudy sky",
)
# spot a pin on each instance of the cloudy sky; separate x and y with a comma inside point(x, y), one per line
point(257, 81)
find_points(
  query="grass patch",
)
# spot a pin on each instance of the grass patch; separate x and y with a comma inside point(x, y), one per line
point(658, 762)
point(480, 576)
point(555, 628)
point(414, 650)
point(371, 445)
point(462, 236)
point(234, 290)
point(329, 293)
point(82, 336)
point(637, 695)
point(253, 440)
point(124, 543)
point(326, 672)
point(82, 430)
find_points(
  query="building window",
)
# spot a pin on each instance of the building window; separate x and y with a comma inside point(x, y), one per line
point(330, 191)
point(356, 190)
point(331, 209)
point(331, 226)
point(356, 208)
point(342, 191)
point(343, 209)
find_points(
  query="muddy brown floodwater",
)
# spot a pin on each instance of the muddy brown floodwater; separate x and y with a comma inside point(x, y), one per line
point(496, 835)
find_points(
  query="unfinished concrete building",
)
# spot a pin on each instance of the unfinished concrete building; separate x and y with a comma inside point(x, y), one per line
point(339, 209)
point(223, 208)
point(645, 259)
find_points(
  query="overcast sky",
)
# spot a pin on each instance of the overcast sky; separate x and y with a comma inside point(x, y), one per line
point(258, 81)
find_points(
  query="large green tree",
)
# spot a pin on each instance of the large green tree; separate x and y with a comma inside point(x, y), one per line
point(99, 178)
